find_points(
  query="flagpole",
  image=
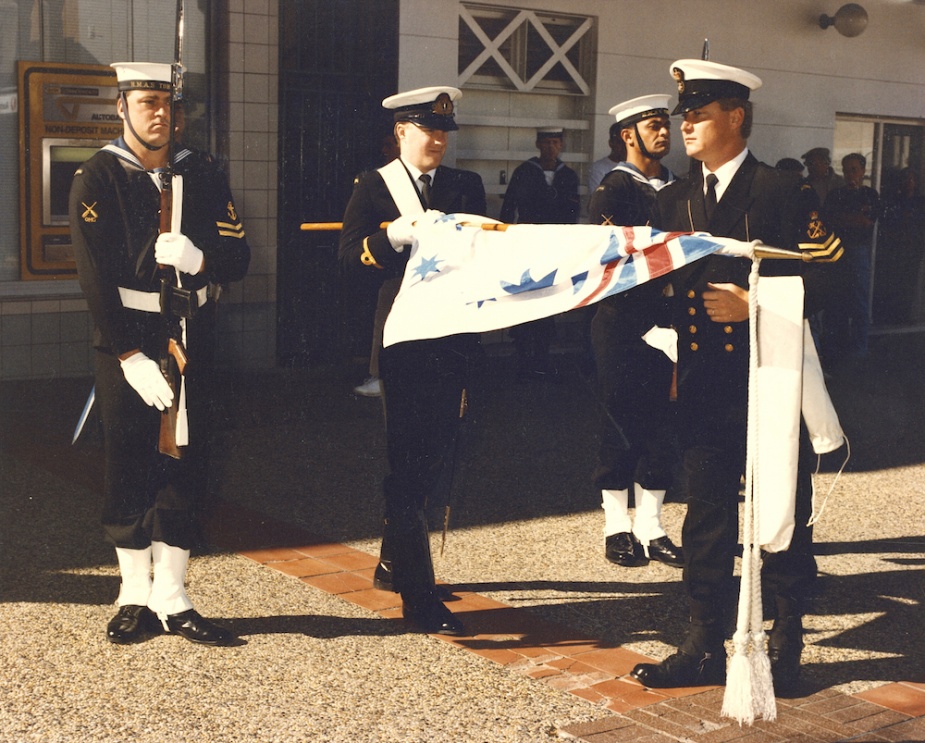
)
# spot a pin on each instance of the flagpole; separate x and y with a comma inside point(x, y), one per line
point(337, 226)
point(759, 250)
point(321, 226)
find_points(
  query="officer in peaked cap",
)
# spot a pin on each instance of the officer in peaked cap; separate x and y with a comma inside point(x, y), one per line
point(151, 499)
point(433, 108)
point(820, 152)
point(423, 382)
point(634, 379)
point(820, 174)
point(700, 82)
point(729, 193)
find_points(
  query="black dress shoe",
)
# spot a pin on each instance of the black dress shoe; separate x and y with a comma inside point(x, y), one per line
point(785, 646)
point(664, 550)
point(384, 580)
point(132, 623)
point(432, 617)
point(681, 669)
point(196, 628)
point(624, 549)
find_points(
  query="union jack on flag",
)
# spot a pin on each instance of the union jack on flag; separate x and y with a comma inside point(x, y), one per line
point(464, 278)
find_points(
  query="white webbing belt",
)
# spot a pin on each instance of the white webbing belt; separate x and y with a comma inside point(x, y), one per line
point(133, 299)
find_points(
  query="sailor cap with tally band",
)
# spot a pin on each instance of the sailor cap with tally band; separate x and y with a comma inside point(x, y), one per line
point(550, 132)
point(143, 75)
point(701, 82)
point(637, 109)
point(432, 108)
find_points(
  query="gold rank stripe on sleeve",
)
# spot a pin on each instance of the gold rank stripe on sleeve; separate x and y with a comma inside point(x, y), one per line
point(227, 229)
point(828, 252)
point(367, 258)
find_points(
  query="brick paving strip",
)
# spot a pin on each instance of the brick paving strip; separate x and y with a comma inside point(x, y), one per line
point(555, 655)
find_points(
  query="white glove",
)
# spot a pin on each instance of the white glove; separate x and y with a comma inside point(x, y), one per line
point(144, 375)
point(664, 340)
point(177, 250)
point(401, 231)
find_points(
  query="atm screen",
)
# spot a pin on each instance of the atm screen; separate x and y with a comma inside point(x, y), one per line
point(61, 160)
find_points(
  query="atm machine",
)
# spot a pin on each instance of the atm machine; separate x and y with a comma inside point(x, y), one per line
point(66, 113)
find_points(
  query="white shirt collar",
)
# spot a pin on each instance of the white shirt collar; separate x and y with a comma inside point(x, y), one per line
point(724, 173)
point(416, 173)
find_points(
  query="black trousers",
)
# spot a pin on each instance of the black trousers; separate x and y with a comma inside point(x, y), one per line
point(423, 383)
point(710, 533)
point(636, 428)
point(149, 496)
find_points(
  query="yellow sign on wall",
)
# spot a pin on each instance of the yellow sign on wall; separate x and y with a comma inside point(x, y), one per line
point(66, 113)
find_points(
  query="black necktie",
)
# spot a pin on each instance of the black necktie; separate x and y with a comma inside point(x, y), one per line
point(425, 189)
point(710, 200)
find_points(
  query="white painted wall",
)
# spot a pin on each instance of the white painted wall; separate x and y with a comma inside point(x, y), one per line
point(809, 74)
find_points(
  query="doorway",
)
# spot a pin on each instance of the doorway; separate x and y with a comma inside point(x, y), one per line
point(338, 60)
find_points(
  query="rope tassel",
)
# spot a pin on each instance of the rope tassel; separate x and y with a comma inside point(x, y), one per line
point(749, 686)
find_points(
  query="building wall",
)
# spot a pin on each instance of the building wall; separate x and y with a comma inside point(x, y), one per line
point(809, 74)
point(248, 331)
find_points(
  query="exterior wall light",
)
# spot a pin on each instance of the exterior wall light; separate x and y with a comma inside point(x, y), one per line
point(849, 20)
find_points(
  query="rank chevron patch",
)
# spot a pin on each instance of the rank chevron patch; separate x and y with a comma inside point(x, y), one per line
point(227, 229)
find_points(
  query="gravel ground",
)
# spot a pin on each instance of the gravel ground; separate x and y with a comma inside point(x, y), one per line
point(525, 530)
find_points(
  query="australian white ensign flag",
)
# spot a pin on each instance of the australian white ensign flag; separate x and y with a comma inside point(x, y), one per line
point(463, 278)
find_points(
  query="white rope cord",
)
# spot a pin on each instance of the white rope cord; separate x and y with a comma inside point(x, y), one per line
point(764, 705)
point(819, 508)
point(749, 686)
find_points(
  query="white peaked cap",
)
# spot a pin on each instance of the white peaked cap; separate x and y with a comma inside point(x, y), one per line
point(420, 96)
point(428, 107)
point(701, 82)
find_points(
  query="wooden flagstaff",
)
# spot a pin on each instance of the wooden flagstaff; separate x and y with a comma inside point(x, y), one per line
point(321, 226)
point(337, 226)
point(760, 251)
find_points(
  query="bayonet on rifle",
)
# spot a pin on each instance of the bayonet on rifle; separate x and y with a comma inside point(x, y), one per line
point(172, 351)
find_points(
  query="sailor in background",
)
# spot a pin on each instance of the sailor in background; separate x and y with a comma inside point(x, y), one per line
point(634, 379)
point(150, 498)
point(423, 382)
point(542, 190)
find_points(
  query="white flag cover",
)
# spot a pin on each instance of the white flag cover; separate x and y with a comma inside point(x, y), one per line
point(779, 388)
point(461, 278)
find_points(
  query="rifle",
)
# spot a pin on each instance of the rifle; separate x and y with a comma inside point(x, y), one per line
point(172, 358)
